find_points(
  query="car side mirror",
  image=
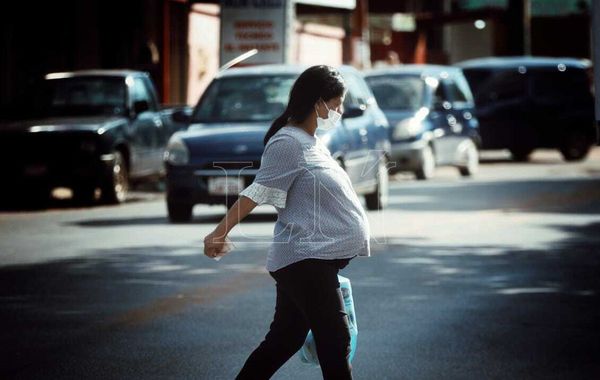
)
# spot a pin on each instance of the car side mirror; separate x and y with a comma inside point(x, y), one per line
point(140, 106)
point(181, 116)
point(354, 111)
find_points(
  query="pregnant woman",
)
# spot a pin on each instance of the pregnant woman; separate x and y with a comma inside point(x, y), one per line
point(321, 226)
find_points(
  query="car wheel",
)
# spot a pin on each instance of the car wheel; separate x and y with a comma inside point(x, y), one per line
point(576, 147)
point(521, 154)
point(471, 160)
point(179, 212)
point(378, 199)
point(116, 185)
point(427, 168)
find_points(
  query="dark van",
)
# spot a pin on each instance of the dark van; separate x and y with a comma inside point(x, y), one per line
point(524, 103)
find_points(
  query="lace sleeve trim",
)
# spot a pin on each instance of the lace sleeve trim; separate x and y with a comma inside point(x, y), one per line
point(263, 194)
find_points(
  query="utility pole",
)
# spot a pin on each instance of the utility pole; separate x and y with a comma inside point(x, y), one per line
point(527, 27)
point(519, 31)
point(596, 58)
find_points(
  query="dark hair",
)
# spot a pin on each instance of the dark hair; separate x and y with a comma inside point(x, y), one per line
point(316, 82)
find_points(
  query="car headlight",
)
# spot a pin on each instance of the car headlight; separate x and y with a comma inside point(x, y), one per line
point(177, 152)
point(407, 128)
point(411, 127)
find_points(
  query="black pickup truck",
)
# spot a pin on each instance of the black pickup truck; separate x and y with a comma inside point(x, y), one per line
point(85, 130)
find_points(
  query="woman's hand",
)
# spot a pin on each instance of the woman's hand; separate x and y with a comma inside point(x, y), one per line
point(214, 244)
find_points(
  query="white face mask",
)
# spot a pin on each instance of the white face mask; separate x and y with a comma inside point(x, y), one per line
point(333, 117)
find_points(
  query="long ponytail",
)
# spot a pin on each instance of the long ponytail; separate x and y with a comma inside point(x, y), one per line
point(277, 124)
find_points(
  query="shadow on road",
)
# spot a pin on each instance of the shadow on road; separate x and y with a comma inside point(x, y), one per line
point(484, 312)
point(28, 200)
point(579, 196)
point(423, 310)
point(198, 219)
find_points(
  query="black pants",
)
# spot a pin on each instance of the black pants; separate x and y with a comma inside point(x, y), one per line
point(308, 297)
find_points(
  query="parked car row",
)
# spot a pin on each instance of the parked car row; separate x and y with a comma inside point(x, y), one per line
point(415, 117)
point(219, 154)
point(104, 128)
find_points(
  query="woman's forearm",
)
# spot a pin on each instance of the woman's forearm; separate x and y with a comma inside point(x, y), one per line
point(240, 209)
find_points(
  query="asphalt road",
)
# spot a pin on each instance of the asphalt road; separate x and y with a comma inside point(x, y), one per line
point(495, 277)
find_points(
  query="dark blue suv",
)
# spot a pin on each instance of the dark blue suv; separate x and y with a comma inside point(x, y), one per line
point(432, 123)
point(525, 103)
point(219, 154)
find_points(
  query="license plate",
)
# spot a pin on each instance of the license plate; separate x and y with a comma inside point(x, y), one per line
point(225, 185)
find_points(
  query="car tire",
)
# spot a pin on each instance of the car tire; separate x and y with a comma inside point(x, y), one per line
point(521, 154)
point(378, 199)
point(179, 212)
point(116, 184)
point(472, 161)
point(427, 169)
point(576, 147)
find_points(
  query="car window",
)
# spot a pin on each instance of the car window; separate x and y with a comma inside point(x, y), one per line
point(350, 101)
point(360, 86)
point(140, 92)
point(553, 86)
point(152, 92)
point(456, 95)
point(440, 97)
point(397, 92)
point(251, 98)
point(498, 86)
point(355, 96)
point(79, 96)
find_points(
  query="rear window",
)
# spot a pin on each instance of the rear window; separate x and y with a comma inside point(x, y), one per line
point(397, 92)
point(78, 96)
point(490, 86)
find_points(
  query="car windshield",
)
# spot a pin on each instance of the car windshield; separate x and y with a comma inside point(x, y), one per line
point(397, 92)
point(251, 98)
point(80, 96)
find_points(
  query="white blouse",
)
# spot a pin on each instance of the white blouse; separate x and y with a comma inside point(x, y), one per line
point(319, 214)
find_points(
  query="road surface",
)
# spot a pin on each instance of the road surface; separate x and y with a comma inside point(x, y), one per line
point(494, 277)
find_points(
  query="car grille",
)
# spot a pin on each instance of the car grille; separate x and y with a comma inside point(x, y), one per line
point(18, 150)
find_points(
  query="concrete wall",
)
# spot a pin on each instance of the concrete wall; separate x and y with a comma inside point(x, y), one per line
point(464, 41)
point(318, 44)
point(203, 43)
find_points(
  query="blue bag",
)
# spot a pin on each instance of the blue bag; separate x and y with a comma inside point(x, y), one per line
point(308, 352)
